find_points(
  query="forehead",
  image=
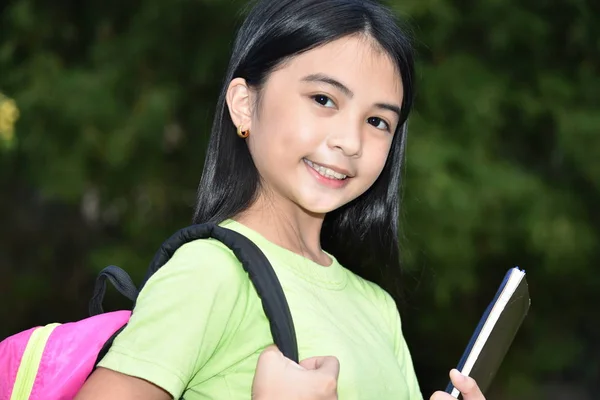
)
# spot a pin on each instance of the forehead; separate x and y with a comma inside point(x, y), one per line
point(356, 61)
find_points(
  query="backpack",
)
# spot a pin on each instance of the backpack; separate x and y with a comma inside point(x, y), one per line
point(54, 361)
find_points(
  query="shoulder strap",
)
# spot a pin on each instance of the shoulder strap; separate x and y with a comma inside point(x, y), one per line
point(120, 280)
point(257, 266)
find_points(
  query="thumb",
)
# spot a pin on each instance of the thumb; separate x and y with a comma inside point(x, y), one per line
point(272, 350)
point(466, 385)
point(272, 357)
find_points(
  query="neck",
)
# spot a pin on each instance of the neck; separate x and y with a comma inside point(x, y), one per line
point(286, 225)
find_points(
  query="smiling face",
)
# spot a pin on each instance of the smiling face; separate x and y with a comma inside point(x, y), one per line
point(324, 124)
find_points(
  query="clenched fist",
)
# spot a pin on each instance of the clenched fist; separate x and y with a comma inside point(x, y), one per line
point(278, 377)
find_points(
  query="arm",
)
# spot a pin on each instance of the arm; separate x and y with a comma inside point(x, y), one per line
point(184, 312)
point(108, 384)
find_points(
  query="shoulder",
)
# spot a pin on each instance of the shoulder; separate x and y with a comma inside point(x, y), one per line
point(201, 271)
point(379, 299)
point(375, 293)
point(186, 311)
point(203, 260)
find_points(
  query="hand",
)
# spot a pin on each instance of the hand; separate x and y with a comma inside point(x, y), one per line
point(465, 385)
point(278, 377)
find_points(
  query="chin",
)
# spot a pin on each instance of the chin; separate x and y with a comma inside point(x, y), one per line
point(319, 211)
point(321, 202)
point(320, 207)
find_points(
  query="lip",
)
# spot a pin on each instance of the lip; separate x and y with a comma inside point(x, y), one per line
point(334, 168)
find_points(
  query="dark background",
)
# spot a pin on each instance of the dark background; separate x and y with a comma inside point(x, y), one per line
point(104, 119)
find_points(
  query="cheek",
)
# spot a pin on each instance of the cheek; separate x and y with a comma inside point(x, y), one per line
point(277, 144)
point(286, 132)
point(376, 157)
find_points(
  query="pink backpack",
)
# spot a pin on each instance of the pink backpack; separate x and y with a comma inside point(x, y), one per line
point(52, 362)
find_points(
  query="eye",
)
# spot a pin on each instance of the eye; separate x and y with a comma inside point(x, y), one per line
point(379, 123)
point(324, 100)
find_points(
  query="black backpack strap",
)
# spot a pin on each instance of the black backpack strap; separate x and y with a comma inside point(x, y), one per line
point(257, 266)
point(120, 280)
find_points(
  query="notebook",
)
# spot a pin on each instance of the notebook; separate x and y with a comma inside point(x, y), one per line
point(495, 332)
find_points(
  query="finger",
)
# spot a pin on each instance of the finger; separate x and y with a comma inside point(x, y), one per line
point(466, 386)
point(441, 396)
point(328, 364)
point(311, 363)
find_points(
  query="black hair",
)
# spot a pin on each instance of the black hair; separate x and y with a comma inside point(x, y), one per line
point(363, 234)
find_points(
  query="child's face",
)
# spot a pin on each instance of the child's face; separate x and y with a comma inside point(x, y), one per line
point(349, 129)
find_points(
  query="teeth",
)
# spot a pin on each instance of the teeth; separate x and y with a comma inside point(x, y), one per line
point(326, 172)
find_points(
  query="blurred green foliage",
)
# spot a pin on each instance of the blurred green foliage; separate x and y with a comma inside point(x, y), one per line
point(111, 108)
point(9, 114)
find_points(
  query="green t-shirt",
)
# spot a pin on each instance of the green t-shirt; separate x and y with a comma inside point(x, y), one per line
point(198, 326)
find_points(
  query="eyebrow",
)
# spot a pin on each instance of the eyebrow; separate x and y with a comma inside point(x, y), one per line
point(330, 81)
point(322, 78)
point(390, 107)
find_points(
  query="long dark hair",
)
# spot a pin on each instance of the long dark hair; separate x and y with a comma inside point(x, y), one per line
point(362, 235)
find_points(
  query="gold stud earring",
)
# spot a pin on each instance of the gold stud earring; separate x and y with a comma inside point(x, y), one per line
point(241, 133)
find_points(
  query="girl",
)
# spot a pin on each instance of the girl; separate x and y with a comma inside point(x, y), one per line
point(304, 159)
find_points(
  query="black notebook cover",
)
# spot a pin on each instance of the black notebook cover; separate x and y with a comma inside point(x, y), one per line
point(501, 337)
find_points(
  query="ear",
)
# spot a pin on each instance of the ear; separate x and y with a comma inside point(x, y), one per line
point(239, 103)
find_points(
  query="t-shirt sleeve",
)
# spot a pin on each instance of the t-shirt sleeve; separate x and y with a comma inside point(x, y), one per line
point(183, 313)
point(402, 351)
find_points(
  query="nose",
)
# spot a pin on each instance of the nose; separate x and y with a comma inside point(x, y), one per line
point(347, 139)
